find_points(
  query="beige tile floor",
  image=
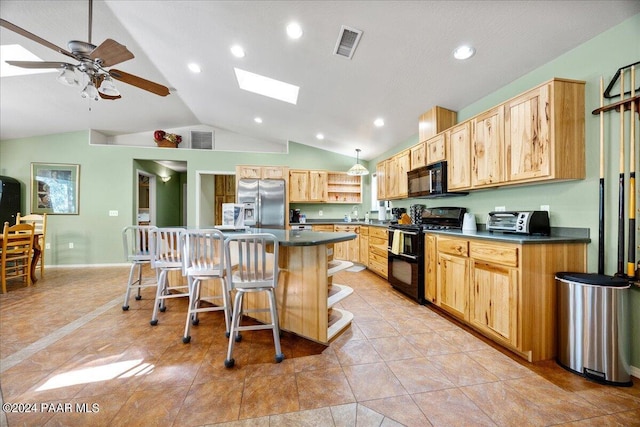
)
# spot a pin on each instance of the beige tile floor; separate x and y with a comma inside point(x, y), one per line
point(72, 357)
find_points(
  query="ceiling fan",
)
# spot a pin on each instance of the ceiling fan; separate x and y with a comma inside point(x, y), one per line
point(92, 65)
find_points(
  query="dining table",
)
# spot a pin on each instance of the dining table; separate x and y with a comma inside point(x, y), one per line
point(37, 250)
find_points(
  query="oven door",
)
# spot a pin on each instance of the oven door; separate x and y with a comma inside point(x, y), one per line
point(405, 266)
point(405, 273)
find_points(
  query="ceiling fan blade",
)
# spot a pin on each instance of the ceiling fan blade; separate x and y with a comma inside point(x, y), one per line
point(8, 25)
point(40, 64)
point(147, 85)
point(109, 97)
point(111, 53)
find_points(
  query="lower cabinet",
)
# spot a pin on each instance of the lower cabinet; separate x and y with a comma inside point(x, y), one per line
point(453, 276)
point(494, 300)
point(349, 250)
point(506, 291)
point(364, 245)
point(378, 251)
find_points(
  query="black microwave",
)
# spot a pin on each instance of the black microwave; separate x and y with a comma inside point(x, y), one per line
point(430, 182)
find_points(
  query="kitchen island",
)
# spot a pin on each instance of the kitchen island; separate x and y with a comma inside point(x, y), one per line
point(305, 293)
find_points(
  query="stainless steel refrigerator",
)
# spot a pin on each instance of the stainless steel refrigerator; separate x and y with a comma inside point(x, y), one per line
point(264, 202)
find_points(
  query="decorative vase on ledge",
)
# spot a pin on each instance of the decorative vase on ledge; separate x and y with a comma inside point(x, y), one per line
point(165, 143)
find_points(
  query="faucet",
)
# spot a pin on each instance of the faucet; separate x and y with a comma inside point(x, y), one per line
point(354, 212)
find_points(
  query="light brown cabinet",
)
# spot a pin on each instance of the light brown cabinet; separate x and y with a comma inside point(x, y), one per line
point(378, 250)
point(434, 121)
point(544, 133)
point(298, 186)
point(506, 291)
point(262, 172)
point(459, 161)
point(418, 155)
point(349, 250)
point(308, 186)
point(495, 290)
point(364, 245)
point(431, 269)
point(381, 178)
point(225, 192)
point(436, 148)
point(396, 185)
point(487, 148)
point(453, 276)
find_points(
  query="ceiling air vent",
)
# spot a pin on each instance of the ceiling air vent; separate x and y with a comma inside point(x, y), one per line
point(201, 140)
point(347, 42)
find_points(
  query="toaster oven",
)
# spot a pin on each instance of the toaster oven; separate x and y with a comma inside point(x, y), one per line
point(522, 222)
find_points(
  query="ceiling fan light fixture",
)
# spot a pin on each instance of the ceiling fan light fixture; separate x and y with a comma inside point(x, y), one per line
point(108, 88)
point(358, 169)
point(68, 77)
point(90, 92)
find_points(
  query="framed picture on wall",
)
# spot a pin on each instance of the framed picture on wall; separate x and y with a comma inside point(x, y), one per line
point(55, 188)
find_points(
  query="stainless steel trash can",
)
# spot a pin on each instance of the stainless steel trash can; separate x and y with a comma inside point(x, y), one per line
point(593, 326)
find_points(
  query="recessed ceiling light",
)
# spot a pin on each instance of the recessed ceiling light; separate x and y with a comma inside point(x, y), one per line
point(195, 68)
point(294, 30)
point(320, 136)
point(267, 86)
point(464, 52)
point(15, 52)
point(258, 120)
point(378, 123)
point(237, 51)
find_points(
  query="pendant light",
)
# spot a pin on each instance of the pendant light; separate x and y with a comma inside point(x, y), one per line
point(358, 169)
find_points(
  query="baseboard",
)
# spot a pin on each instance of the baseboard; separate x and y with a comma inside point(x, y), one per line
point(126, 264)
point(634, 371)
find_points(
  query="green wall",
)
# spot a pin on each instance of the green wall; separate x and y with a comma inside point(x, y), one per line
point(108, 173)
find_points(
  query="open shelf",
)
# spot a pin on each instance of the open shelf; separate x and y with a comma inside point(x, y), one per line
point(337, 293)
point(337, 265)
point(338, 320)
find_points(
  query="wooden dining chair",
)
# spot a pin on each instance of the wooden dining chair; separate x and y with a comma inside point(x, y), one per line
point(15, 258)
point(40, 227)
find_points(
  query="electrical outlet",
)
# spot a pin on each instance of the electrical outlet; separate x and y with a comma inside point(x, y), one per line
point(544, 208)
point(47, 245)
point(500, 208)
point(320, 213)
point(113, 213)
point(70, 245)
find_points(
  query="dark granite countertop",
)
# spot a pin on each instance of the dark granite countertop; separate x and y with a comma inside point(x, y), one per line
point(558, 234)
point(300, 237)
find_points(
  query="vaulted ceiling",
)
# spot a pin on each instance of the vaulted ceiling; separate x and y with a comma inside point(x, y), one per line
point(402, 67)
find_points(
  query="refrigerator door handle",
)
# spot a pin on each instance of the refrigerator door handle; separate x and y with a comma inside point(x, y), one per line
point(259, 205)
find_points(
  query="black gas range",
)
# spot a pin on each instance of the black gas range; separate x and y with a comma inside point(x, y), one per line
point(406, 248)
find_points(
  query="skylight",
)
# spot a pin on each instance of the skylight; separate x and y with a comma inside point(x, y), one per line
point(267, 86)
point(15, 52)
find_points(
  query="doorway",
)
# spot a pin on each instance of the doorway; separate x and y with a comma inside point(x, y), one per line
point(212, 190)
point(146, 199)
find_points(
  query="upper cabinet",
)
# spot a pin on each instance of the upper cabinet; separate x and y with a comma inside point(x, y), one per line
point(544, 133)
point(307, 186)
point(381, 177)
point(487, 148)
point(262, 172)
point(394, 178)
point(434, 121)
point(436, 149)
point(459, 161)
point(318, 186)
point(419, 155)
